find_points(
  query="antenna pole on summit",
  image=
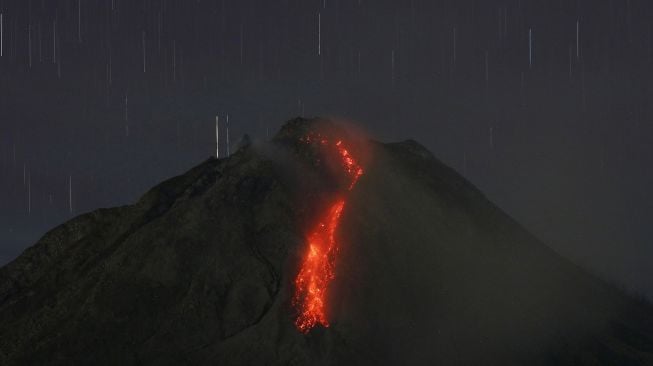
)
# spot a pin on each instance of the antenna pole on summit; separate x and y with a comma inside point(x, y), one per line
point(217, 137)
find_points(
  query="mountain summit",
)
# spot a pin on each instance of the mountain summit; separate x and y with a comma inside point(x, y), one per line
point(273, 256)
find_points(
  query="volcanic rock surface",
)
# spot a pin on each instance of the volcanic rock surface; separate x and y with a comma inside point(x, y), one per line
point(200, 271)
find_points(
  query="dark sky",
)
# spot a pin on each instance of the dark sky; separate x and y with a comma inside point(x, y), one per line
point(544, 105)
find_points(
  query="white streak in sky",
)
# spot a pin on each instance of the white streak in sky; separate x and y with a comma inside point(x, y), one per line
point(570, 61)
point(174, 61)
point(126, 116)
point(110, 69)
point(454, 46)
point(40, 44)
point(29, 193)
point(487, 69)
point(79, 20)
point(491, 137)
point(530, 47)
point(144, 52)
point(578, 39)
point(392, 75)
point(29, 44)
point(159, 32)
point(359, 62)
point(54, 42)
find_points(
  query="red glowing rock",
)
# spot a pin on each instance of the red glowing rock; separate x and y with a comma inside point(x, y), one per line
point(317, 268)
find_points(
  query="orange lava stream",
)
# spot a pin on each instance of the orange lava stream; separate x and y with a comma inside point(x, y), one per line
point(318, 266)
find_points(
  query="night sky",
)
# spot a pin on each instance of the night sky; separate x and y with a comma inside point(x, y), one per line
point(544, 105)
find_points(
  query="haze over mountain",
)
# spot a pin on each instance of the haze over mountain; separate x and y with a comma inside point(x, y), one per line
point(201, 270)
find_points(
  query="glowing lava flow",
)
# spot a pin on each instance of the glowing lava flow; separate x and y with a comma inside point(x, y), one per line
point(317, 268)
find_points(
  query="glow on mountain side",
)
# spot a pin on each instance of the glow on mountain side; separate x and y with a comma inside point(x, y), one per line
point(318, 265)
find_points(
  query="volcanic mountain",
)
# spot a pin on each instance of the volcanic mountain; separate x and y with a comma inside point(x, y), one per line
point(316, 248)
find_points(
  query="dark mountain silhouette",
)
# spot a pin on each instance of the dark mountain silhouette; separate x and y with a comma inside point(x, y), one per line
point(201, 271)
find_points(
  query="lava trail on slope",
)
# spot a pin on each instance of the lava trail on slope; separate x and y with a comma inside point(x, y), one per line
point(317, 267)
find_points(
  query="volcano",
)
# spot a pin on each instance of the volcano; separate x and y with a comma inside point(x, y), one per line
point(218, 267)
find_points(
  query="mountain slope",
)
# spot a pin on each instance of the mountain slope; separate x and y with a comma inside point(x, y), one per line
point(201, 271)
